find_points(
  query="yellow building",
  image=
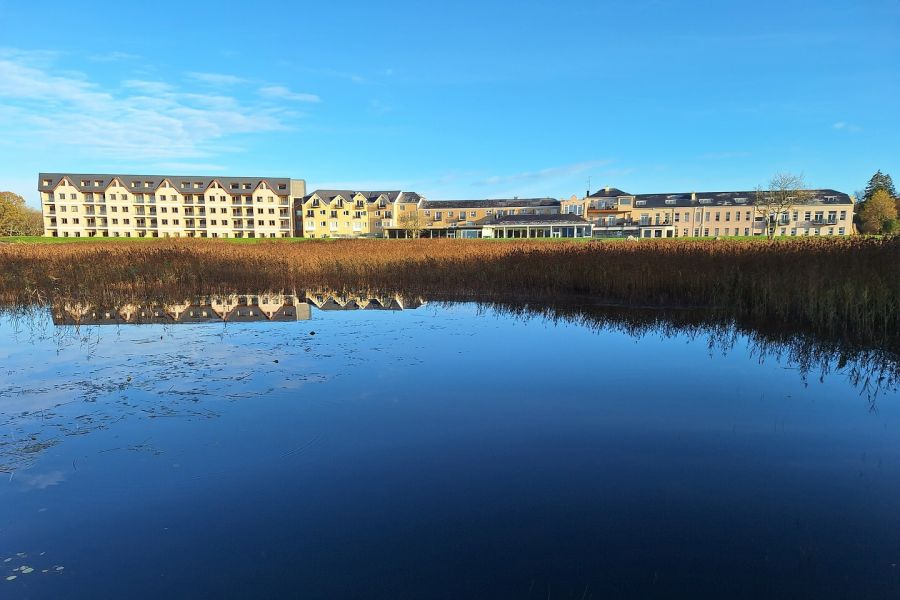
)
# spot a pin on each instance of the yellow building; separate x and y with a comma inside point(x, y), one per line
point(82, 205)
point(615, 213)
point(347, 213)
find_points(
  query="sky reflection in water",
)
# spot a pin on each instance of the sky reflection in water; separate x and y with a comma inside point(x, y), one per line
point(446, 452)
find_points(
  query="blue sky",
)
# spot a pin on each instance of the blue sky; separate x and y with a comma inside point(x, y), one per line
point(458, 100)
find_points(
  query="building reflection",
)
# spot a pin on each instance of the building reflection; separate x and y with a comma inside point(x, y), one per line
point(216, 308)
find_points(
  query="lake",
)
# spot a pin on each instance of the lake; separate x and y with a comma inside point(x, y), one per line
point(447, 450)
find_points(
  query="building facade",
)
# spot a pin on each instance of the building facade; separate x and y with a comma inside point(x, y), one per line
point(462, 218)
point(90, 205)
point(347, 213)
point(614, 213)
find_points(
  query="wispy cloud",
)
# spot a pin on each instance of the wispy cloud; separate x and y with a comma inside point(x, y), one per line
point(215, 78)
point(724, 155)
point(141, 120)
point(848, 127)
point(114, 56)
point(544, 174)
point(281, 92)
point(189, 167)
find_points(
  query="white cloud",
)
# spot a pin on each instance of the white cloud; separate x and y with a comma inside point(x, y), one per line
point(544, 174)
point(279, 91)
point(114, 56)
point(216, 78)
point(140, 120)
point(848, 127)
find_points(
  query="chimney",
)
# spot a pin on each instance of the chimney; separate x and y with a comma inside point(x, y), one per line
point(693, 195)
point(607, 189)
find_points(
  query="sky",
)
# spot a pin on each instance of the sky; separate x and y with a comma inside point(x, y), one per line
point(456, 100)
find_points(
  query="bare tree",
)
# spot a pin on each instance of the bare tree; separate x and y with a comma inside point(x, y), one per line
point(412, 224)
point(775, 204)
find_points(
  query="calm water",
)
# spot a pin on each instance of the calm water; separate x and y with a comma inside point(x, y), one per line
point(441, 452)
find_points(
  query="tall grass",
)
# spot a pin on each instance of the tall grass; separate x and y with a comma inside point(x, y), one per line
point(846, 287)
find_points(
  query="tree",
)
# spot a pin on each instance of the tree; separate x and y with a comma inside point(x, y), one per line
point(878, 212)
point(18, 219)
point(785, 190)
point(412, 223)
point(879, 181)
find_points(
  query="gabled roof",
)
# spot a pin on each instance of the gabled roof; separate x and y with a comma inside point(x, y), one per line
point(371, 196)
point(155, 181)
point(500, 203)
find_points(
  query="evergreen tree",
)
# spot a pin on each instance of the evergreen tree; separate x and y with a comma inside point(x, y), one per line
point(879, 181)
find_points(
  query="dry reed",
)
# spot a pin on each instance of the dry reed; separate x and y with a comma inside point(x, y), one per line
point(847, 287)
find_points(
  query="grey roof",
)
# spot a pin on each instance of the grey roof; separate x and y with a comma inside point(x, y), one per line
point(504, 203)
point(411, 197)
point(745, 198)
point(371, 196)
point(539, 220)
point(155, 181)
point(609, 192)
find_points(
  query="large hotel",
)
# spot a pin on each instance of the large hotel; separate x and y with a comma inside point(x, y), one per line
point(81, 205)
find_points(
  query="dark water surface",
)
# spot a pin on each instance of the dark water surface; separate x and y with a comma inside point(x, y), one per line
point(442, 452)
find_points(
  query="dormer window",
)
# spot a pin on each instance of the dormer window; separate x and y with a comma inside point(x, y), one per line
point(705, 201)
point(670, 201)
point(640, 203)
point(46, 182)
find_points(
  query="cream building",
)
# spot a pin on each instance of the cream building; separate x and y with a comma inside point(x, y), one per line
point(615, 213)
point(462, 218)
point(82, 205)
point(348, 213)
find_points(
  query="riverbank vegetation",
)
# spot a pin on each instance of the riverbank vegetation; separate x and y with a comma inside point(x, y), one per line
point(845, 287)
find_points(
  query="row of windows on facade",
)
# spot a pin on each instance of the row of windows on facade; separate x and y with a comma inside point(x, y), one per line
point(783, 218)
point(340, 204)
point(334, 214)
point(184, 184)
point(736, 231)
point(334, 226)
point(90, 197)
point(176, 234)
point(674, 201)
point(174, 210)
point(176, 222)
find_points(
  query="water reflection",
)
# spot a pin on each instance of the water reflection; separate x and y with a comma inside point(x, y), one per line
point(540, 436)
point(238, 308)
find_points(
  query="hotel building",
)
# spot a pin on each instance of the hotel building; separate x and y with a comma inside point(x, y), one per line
point(615, 213)
point(88, 205)
point(516, 217)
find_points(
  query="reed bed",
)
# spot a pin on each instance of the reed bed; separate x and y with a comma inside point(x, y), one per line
point(847, 287)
